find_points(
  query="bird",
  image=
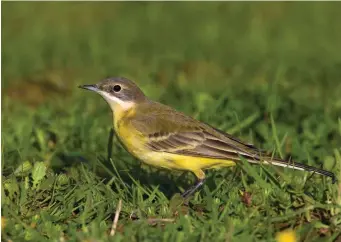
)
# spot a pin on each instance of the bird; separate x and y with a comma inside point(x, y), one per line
point(160, 136)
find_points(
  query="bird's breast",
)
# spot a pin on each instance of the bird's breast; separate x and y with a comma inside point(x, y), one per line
point(135, 143)
point(130, 138)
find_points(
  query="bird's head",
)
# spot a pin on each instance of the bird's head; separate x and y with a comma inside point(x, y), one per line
point(119, 92)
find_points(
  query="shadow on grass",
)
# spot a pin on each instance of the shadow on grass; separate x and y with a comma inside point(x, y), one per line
point(168, 182)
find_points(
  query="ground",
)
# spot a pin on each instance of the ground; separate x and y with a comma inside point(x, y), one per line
point(268, 73)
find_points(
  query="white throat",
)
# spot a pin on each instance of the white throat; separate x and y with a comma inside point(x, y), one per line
point(114, 102)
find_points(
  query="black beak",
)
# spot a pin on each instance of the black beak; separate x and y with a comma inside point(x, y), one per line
point(92, 87)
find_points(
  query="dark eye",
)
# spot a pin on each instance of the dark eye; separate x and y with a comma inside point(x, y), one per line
point(117, 88)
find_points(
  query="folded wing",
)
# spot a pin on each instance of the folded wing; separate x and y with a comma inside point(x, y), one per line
point(173, 132)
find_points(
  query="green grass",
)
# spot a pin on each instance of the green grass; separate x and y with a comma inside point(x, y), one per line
point(268, 73)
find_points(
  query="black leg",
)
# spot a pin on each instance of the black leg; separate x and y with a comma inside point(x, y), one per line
point(110, 142)
point(189, 192)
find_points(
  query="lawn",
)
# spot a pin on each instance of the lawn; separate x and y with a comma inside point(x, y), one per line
point(268, 73)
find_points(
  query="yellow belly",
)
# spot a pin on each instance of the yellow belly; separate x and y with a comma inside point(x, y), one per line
point(183, 162)
point(134, 143)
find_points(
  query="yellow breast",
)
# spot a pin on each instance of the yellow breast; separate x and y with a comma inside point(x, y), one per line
point(135, 143)
point(130, 138)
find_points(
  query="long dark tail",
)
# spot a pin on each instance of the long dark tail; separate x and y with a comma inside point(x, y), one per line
point(254, 155)
point(298, 166)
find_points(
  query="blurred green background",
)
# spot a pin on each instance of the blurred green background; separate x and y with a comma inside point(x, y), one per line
point(212, 45)
point(267, 72)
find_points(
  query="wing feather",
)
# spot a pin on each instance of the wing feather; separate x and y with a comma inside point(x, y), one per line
point(173, 132)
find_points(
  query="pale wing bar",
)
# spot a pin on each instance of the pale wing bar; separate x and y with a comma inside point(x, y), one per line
point(196, 143)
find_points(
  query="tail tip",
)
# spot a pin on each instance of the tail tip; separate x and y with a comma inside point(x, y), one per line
point(334, 180)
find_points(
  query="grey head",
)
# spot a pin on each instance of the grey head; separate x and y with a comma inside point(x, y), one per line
point(117, 90)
